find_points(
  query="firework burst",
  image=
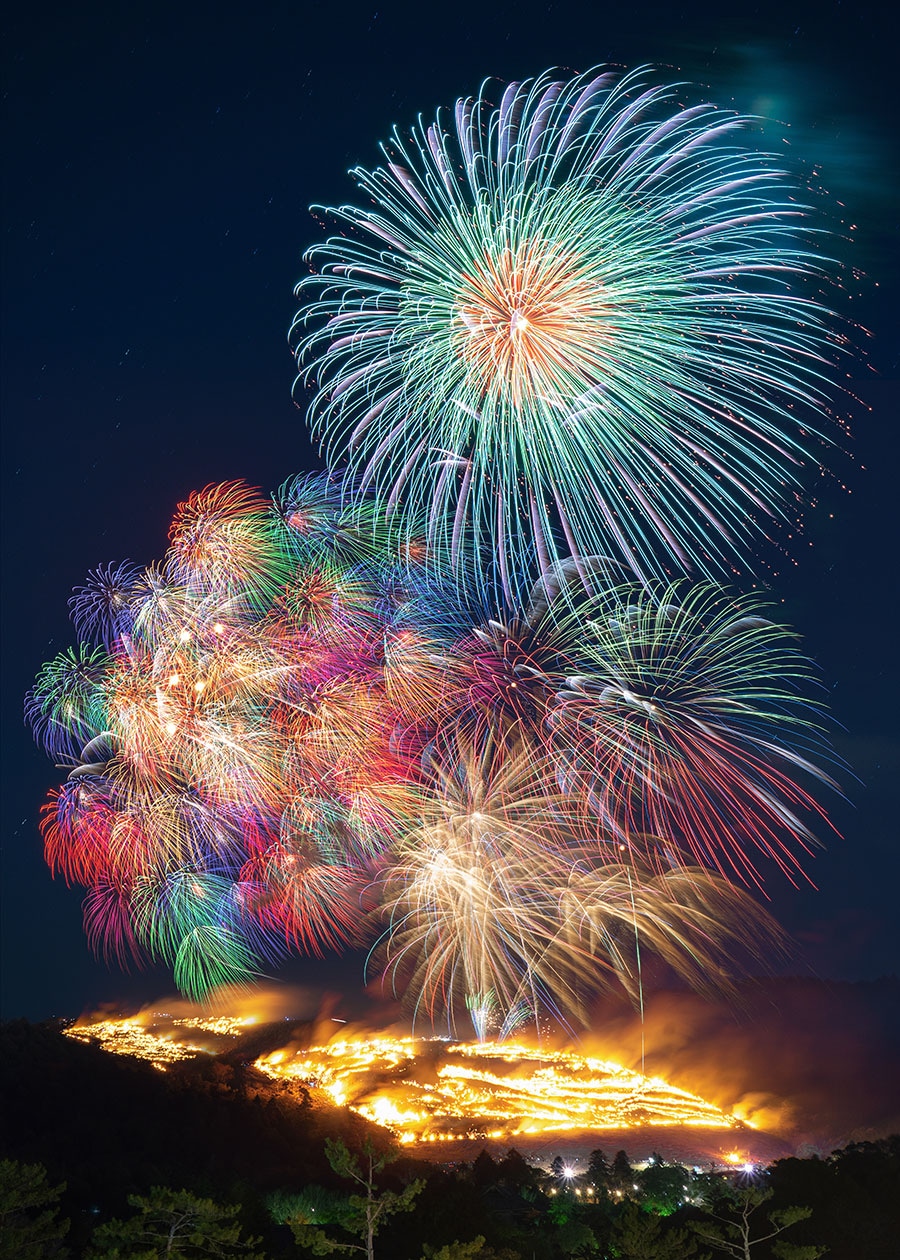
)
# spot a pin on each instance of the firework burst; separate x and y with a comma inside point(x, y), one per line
point(423, 704)
point(576, 321)
point(692, 724)
point(514, 805)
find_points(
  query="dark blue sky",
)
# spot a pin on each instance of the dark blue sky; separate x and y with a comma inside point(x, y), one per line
point(159, 165)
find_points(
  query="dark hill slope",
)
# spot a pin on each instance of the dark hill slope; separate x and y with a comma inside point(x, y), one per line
point(111, 1125)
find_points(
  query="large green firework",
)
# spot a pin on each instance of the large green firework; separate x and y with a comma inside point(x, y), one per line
point(583, 320)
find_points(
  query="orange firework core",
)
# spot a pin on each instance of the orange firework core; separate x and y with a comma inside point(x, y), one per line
point(532, 319)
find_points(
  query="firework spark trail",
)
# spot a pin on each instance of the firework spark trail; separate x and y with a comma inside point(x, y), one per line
point(569, 324)
point(512, 805)
point(688, 724)
point(232, 781)
point(508, 890)
point(413, 703)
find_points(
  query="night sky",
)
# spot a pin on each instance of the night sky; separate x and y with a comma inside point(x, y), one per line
point(159, 167)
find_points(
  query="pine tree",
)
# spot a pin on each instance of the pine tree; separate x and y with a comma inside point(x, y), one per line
point(663, 1186)
point(514, 1171)
point(599, 1172)
point(29, 1226)
point(740, 1225)
point(473, 1250)
point(639, 1235)
point(485, 1171)
point(366, 1211)
point(171, 1223)
point(622, 1172)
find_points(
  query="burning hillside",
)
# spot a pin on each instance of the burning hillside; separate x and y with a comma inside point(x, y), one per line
point(438, 1091)
point(433, 1092)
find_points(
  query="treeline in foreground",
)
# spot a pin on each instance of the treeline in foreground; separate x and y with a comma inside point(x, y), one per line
point(110, 1159)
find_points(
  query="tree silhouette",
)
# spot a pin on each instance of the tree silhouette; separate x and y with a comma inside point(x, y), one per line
point(639, 1235)
point(365, 1212)
point(29, 1226)
point(854, 1195)
point(473, 1250)
point(622, 1172)
point(173, 1223)
point(514, 1171)
point(484, 1170)
point(663, 1186)
point(739, 1225)
point(599, 1172)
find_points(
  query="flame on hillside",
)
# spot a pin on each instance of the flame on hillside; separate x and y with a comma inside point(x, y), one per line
point(161, 1037)
point(428, 1090)
point(441, 1091)
point(182, 1030)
